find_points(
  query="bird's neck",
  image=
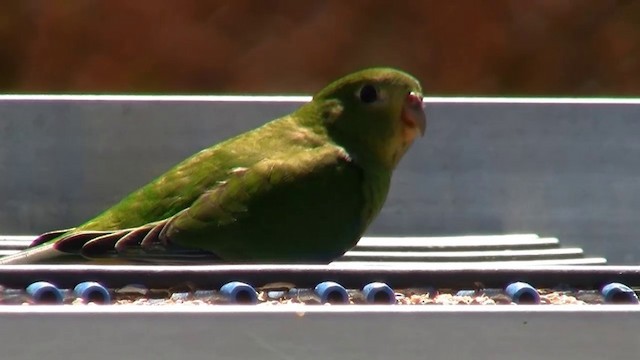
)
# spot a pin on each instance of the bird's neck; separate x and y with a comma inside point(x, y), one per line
point(318, 117)
point(375, 189)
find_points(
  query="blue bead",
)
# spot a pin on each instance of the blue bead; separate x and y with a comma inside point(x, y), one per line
point(90, 291)
point(44, 293)
point(239, 293)
point(522, 293)
point(617, 293)
point(331, 292)
point(378, 293)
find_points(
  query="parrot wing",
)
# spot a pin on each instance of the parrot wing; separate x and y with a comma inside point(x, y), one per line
point(307, 205)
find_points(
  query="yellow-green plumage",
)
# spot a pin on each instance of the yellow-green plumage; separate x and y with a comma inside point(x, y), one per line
point(301, 188)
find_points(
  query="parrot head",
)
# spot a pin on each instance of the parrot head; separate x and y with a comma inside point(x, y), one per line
point(375, 114)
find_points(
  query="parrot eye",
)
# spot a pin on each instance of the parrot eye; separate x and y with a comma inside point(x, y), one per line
point(368, 94)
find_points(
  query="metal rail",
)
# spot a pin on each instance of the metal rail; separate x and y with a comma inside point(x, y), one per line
point(214, 276)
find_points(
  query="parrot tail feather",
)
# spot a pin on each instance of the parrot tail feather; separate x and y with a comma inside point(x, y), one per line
point(154, 236)
point(103, 243)
point(48, 236)
point(144, 244)
point(133, 238)
point(73, 242)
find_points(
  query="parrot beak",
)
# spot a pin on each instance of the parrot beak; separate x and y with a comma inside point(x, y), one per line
point(413, 112)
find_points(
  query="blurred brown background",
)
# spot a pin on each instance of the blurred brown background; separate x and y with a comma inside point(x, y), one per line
point(491, 47)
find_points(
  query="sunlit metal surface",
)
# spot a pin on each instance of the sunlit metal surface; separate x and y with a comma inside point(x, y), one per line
point(321, 332)
point(564, 168)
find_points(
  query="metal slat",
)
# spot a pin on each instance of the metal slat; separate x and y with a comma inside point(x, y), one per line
point(437, 256)
point(579, 261)
point(10, 244)
point(13, 245)
point(545, 243)
point(8, 252)
point(471, 242)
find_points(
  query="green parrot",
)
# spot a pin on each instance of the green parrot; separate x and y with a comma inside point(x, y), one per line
point(300, 189)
